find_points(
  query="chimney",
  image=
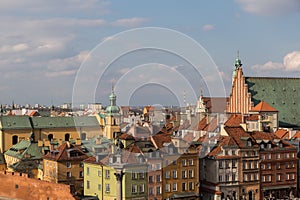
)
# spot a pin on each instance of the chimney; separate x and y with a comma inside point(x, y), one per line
point(68, 144)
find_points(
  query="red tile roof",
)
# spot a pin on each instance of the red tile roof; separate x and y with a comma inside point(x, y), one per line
point(297, 135)
point(64, 151)
point(263, 107)
point(211, 126)
point(159, 139)
point(282, 134)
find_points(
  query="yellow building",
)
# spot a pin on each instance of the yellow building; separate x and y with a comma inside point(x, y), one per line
point(24, 157)
point(13, 129)
point(2, 162)
point(65, 128)
point(116, 176)
point(64, 165)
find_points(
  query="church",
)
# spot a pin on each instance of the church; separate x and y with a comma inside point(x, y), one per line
point(279, 92)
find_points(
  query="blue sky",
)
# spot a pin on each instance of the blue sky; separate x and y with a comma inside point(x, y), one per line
point(43, 43)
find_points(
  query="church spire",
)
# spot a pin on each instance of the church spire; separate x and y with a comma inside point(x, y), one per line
point(238, 62)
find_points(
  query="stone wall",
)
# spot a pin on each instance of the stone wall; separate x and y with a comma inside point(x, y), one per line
point(19, 186)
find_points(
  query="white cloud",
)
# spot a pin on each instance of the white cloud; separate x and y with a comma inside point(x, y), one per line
point(291, 62)
point(129, 22)
point(208, 27)
point(270, 7)
point(13, 48)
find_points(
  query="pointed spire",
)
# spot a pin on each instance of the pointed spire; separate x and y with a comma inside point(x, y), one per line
point(238, 62)
point(201, 90)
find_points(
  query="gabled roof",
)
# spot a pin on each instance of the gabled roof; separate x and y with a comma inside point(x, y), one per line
point(66, 152)
point(281, 93)
point(263, 107)
point(224, 141)
point(239, 135)
point(25, 150)
point(159, 139)
point(15, 122)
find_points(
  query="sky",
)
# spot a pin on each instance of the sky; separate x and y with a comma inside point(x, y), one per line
point(44, 44)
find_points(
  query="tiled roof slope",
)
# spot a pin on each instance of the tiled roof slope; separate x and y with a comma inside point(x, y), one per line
point(63, 153)
point(281, 93)
point(25, 148)
point(15, 122)
point(64, 122)
point(264, 107)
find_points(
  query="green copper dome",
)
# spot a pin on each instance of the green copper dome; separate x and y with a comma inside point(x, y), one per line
point(112, 109)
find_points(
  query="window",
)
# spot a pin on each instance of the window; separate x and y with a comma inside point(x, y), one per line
point(151, 191)
point(150, 179)
point(14, 139)
point(158, 190)
point(234, 164)
point(278, 156)
point(167, 187)
point(68, 164)
point(227, 177)
point(69, 174)
point(81, 164)
point(158, 166)
point(269, 166)
point(168, 174)
point(268, 178)
point(255, 165)
point(158, 179)
point(220, 178)
point(226, 152)
point(134, 175)
point(268, 156)
point(107, 174)
point(278, 177)
point(81, 174)
point(141, 174)
point(191, 186)
point(278, 166)
point(87, 171)
point(249, 143)
point(255, 176)
point(233, 152)
point(141, 188)
point(233, 177)
point(221, 164)
point(269, 145)
point(244, 165)
point(262, 166)
point(134, 189)
point(191, 162)
point(174, 187)
point(293, 155)
point(107, 188)
point(99, 187)
point(227, 164)
point(183, 162)
point(174, 174)
point(87, 184)
point(67, 137)
point(183, 186)
point(191, 173)
point(287, 155)
point(183, 174)
point(245, 177)
point(263, 157)
point(99, 173)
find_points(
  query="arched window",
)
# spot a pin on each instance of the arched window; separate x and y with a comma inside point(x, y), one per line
point(67, 137)
point(83, 136)
point(14, 139)
point(50, 137)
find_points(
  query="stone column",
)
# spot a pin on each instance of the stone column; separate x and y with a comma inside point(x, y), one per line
point(119, 176)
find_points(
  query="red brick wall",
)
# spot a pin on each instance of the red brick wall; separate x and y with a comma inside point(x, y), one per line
point(21, 187)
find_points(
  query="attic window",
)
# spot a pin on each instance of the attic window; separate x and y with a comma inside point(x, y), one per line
point(262, 146)
point(249, 144)
point(269, 145)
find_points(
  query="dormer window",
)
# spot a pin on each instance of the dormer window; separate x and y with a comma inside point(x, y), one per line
point(249, 144)
point(269, 145)
point(262, 146)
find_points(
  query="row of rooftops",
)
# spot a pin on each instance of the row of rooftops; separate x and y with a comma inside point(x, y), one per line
point(26, 122)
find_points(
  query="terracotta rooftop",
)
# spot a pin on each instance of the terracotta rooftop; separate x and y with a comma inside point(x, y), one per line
point(159, 139)
point(66, 152)
point(236, 119)
point(297, 135)
point(204, 126)
point(263, 107)
point(282, 134)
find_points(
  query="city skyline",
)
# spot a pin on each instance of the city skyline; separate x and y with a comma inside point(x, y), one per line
point(43, 44)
